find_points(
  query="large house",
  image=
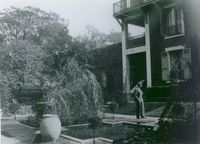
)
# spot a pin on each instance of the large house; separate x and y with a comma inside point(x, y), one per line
point(168, 51)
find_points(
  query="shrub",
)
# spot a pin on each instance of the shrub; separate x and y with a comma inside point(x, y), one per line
point(120, 97)
point(14, 107)
point(113, 107)
point(95, 122)
point(74, 93)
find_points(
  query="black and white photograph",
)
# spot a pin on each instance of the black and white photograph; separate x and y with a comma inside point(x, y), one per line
point(100, 71)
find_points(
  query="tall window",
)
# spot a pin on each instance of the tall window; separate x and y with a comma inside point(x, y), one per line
point(176, 65)
point(173, 21)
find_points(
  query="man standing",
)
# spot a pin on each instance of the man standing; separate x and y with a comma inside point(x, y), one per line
point(138, 98)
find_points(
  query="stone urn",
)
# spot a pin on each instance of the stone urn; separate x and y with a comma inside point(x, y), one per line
point(50, 127)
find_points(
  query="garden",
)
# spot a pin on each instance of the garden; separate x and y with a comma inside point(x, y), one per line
point(36, 50)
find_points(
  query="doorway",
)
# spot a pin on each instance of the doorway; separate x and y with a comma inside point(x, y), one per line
point(137, 68)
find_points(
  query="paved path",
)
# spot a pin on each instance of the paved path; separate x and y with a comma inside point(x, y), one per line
point(130, 118)
point(16, 133)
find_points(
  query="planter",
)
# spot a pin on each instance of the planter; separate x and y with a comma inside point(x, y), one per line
point(50, 128)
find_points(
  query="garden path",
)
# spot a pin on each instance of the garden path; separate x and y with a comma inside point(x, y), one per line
point(130, 119)
point(16, 133)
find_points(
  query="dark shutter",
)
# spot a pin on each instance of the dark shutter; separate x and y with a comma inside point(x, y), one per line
point(186, 66)
point(165, 67)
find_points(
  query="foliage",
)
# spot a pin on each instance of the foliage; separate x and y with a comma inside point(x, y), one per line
point(74, 92)
point(14, 108)
point(106, 131)
point(120, 97)
point(173, 127)
point(110, 67)
point(5, 92)
point(32, 121)
point(37, 50)
point(113, 106)
point(176, 131)
point(140, 135)
point(94, 39)
point(95, 122)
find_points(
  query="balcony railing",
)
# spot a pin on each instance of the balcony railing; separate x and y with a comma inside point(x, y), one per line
point(136, 41)
point(174, 30)
point(125, 5)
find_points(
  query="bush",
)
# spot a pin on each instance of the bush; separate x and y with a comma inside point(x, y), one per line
point(120, 97)
point(74, 94)
point(113, 107)
point(32, 121)
point(177, 131)
point(14, 107)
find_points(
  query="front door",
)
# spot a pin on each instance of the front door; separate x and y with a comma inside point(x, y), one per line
point(137, 68)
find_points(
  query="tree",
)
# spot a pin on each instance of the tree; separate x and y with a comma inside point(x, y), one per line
point(114, 37)
point(95, 39)
point(37, 50)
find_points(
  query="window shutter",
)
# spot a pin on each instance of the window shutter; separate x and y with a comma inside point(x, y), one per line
point(186, 66)
point(165, 67)
point(180, 20)
point(123, 5)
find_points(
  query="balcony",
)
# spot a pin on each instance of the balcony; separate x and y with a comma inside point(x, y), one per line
point(136, 41)
point(126, 5)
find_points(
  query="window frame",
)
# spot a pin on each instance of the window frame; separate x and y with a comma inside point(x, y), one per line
point(164, 20)
point(167, 53)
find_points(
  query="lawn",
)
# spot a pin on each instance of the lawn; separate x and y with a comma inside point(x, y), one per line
point(110, 132)
point(129, 109)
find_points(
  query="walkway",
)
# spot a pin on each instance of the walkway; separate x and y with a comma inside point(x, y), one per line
point(16, 133)
point(129, 119)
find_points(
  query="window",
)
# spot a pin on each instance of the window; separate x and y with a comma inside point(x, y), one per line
point(173, 19)
point(176, 65)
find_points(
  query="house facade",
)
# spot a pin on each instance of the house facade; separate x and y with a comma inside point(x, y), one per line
point(168, 51)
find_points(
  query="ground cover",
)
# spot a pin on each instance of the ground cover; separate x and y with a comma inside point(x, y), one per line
point(129, 109)
point(31, 121)
point(109, 132)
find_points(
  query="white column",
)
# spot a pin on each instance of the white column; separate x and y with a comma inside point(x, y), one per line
point(125, 60)
point(148, 51)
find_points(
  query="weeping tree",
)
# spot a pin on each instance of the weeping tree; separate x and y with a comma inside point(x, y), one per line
point(74, 93)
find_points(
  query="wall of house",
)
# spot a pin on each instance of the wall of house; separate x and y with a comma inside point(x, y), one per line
point(155, 42)
point(159, 42)
point(192, 24)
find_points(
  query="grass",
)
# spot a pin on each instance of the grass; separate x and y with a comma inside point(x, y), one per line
point(129, 109)
point(109, 132)
point(31, 121)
